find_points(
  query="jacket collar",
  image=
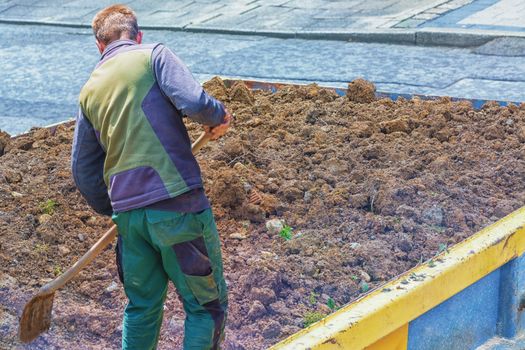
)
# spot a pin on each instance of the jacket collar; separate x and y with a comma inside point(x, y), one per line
point(115, 45)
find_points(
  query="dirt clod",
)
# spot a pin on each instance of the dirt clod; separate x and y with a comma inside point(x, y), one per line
point(264, 295)
point(12, 176)
point(4, 140)
point(396, 125)
point(256, 310)
point(361, 91)
point(271, 330)
point(241, 93)
point(216, 88)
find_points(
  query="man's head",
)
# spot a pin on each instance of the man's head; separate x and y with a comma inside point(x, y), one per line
point(113, 23)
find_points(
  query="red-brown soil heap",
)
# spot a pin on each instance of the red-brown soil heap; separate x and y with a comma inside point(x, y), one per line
point(370, 187)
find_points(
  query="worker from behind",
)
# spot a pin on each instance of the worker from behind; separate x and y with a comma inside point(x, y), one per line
point(132, 159)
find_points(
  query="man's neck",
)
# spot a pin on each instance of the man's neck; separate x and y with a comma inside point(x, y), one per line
point(125, 37)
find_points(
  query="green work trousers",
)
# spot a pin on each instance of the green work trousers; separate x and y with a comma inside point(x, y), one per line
point(155, 246)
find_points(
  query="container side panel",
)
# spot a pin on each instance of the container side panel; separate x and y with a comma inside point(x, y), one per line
point(508, 299)
point(463, 322)
point(520, 301)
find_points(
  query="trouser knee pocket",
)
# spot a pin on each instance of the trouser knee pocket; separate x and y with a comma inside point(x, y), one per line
point(195, 264)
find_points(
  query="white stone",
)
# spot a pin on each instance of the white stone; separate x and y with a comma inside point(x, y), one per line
point(354, 245)
point(238, 235)
point(91, 221)
point(267, 255)
point(63, 250)
point(7, 281)
point(364, 276)
point(42, 219)
point(113, 286)
point(274, 226)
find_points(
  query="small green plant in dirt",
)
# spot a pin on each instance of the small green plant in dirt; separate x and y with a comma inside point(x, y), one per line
point(41, 247)
point(311, 317)
point(331, 304)
point(313, 298)
point(442, 248)
point(48, 207)
point(286, 233)
point(57, 270)
point(364, 287)
point(354, 277)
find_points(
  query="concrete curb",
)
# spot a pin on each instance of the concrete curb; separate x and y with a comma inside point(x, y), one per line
point(455, 37)
point(460, 37)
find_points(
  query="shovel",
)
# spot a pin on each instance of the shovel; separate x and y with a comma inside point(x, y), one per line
point(36, 317)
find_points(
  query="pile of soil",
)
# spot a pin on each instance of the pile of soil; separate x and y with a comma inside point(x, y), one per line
point(369, 187)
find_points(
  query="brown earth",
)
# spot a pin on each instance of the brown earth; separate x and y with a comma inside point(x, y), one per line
point(370, 188)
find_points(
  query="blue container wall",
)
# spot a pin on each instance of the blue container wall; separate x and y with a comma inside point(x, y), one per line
point(490, 307)
point(512, 291)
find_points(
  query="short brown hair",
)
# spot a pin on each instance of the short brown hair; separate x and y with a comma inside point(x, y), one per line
point(110, 23)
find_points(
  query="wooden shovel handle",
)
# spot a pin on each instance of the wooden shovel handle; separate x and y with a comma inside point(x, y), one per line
point(103, 242)
point(91, 254)
point(200, 142)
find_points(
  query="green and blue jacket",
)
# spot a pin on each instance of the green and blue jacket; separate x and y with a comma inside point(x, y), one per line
point(131, 148)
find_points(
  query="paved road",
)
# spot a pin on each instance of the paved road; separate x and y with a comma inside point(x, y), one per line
point(45, 67)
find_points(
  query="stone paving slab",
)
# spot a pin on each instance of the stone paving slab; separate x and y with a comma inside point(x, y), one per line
point(257, 18)
point(509, 13)
point(502, 15)
point(312, 19)
point(184, 16)
point(42, 12)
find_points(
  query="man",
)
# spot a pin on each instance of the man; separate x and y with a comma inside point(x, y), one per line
point(132, 158)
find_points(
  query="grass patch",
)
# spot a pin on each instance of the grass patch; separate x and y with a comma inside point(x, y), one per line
point(48, 207)
point(286, 233)
point(311, 317)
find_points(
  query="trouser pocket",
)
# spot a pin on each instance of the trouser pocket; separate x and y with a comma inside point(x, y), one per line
point(204, 288)
point(195, 264)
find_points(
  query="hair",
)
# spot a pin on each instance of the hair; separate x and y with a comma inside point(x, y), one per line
point(112, 22)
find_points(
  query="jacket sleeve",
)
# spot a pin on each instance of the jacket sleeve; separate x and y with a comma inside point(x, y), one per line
point(186, 94)
point(87, 165)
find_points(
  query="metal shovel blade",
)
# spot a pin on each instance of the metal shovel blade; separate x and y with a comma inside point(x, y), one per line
point(36, 317)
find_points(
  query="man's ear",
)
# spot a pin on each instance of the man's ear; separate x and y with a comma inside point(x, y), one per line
point(139, 37)
point(101, 46)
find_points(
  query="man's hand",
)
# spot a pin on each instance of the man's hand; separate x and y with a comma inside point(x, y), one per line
point(217, 131)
